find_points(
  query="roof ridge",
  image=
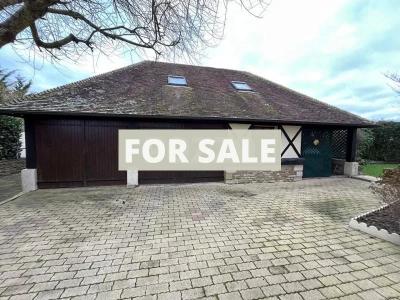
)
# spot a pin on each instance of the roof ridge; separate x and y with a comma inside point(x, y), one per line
point(308, 97)
point(197, 66)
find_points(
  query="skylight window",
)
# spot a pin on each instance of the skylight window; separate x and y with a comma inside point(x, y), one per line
point(176, 80)
point(241, 86)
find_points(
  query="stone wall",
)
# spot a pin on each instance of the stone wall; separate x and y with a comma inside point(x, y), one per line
point(287, 174)
point(338, 166)
point(11, 166)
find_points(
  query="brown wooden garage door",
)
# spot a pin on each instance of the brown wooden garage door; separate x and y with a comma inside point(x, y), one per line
point(179, 176)
point(78, 153)
point(82, 152)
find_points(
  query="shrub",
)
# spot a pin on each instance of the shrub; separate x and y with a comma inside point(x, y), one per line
point(10, 131)
point(388, 188)
point(381, 143)
point(365, 142)
point(10, 127)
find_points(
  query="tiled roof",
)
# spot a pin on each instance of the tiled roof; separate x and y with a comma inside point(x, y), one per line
point(141, 90)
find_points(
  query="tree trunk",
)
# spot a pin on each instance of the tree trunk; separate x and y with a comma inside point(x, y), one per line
point(22, 19)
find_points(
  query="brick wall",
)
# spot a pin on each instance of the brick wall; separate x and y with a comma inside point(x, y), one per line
point(287, 174)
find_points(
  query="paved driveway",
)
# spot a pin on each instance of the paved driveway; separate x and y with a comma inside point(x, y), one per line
point(10, 185)
point(288, 240)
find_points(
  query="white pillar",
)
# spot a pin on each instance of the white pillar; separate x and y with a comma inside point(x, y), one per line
point(29, 180)
point(132, 178)
point(350, 168)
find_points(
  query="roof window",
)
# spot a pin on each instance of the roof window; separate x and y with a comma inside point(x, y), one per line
point(241, 86)
point(177, 80)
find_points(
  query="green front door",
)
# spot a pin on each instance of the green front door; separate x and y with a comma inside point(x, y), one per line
point(317, 152)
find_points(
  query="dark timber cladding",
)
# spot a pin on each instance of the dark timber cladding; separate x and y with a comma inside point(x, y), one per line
point(351, 144)
point(77, 152)
point(73, 152)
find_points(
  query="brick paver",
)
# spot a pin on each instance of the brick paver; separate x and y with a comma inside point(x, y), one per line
point(278, 240)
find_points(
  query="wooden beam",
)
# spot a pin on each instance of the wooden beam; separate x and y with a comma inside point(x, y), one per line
point(30, 143)
point(351, 147)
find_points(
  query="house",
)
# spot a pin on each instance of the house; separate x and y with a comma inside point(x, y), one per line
point(62, 123)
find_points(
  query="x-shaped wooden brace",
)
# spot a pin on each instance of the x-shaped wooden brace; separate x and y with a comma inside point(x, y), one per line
point(290, 141)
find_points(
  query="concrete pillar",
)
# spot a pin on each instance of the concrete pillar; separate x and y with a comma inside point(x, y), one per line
point(29, 180)
point(350, 168)
point(299, 172)
point(132, 178)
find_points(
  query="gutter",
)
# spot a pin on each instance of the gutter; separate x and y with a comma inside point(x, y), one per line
point(22, 113)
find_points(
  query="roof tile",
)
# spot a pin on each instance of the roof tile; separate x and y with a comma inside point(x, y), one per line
point(142, 90)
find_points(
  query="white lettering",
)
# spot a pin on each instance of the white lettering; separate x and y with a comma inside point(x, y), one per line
point(177, 147)
point(228, 151)
point(266, 150)
point(245, 153)
point(160, 151)
point(204, 149)
point(130, 151)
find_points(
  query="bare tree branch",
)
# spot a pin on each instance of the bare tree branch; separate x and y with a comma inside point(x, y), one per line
point(105, 31)
point(68, 28)
point(55, 44)
point(5, 3)
point(395, 79)
point(22, 18)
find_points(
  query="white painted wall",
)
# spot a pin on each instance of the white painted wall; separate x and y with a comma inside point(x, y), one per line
point(291, 132)
point(23, 146)
point(239, 126)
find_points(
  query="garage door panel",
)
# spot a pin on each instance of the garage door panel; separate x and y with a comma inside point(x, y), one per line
point(146, 177)
point(102, 152)
point(60, 151)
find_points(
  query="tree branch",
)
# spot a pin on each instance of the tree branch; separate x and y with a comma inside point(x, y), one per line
point(56, 44)
point(106, 31)
point(21, 19)
point(69, 27)
point(5, 3)
point(395, 78)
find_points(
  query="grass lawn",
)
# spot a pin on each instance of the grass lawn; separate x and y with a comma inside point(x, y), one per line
point(377, 169)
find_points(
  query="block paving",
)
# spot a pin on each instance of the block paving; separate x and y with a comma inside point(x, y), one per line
point(211, 241)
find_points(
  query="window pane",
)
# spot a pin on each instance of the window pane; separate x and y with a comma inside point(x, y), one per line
point(177, 80)
point(241, 86)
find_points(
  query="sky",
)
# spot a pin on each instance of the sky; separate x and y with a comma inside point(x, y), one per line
point(335, 51)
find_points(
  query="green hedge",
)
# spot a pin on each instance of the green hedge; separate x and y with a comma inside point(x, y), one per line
point(10, 131)
point(381, 143)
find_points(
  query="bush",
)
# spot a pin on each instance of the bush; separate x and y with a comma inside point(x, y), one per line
point(388, 188)
point(381, 143)
point(365, 141)
point(10, 131)
point(10, 127)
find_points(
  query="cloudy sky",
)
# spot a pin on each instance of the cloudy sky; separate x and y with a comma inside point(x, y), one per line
point(336, 51)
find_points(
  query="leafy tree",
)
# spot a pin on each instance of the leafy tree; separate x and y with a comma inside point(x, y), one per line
point(381, 143)
point(10, 127)
point(71, 27)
